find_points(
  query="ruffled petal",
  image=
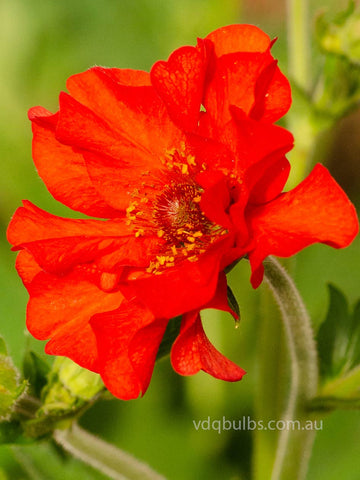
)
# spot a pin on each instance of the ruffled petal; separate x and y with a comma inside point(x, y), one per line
point(115, 332)
point(317, 210)
point(192, 352)
point(180, 83)
point(143, 350)
point(58, 243)
point(63, 169)
point(123, 76)
point(245, 74)
point(59, 309)
point(239, 38)
point(135, 112)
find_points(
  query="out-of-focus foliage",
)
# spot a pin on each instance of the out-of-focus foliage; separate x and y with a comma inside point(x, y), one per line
point(11, 387)
point(341, 36)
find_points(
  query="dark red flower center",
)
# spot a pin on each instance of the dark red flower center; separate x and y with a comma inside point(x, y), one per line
point(173, 214)
point(177, 212)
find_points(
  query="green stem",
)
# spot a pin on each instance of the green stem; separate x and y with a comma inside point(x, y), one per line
point(298, 42)
point(298, 119)
point(106, 458)
point(294, 446)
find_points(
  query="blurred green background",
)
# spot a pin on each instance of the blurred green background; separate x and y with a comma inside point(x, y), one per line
point(43, 42)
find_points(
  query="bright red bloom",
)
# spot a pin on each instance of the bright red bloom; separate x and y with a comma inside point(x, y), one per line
point(188, 168)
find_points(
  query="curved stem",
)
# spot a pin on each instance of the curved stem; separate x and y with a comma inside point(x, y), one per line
point(106, 458)
point(294, 446)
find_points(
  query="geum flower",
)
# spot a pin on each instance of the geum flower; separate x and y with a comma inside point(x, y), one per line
point(188, 168)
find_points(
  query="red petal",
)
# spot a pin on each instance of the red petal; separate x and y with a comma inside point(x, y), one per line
point(317, 210)
point(27, 267)
point(220, 298)
point(192, 352)
point(184, 287)
point(80, 127)
point(180, 82)
point(272, 182)
point(143, 350)
point(239, 38)
point(135, 111)
point(215, 202)
point(124, 76)
point(272, 95)
point(59, 243)
point(63, 170)
point(239, 80)
point(115, 332)
point(59, 308)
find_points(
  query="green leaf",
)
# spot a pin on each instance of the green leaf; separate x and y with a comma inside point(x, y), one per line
point(339, 353)
point(35, 370)
point(353, 352)
point(334, 334)
point(11, 432)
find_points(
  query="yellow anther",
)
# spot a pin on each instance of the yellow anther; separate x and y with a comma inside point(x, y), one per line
point(174, 249)
point(190, 239)
point(184, 168)
point(197, 234)
point(161, 260)
point(139, 233)
point(131, 208)
point(191, 160)
point(196, 199)
point(194, 258)
point(160, 233)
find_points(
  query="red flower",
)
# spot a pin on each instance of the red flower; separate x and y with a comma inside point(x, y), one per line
point(188, 168)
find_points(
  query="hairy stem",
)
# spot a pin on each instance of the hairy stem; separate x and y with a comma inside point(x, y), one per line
point(105, 458)
point(294, 446)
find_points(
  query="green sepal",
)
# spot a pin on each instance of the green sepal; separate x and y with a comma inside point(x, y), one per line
point(171, 332)
point(11, 385)
point(233, 303)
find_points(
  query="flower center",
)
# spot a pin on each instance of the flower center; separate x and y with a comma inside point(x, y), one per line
point(172, 213)
point(178, 215)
